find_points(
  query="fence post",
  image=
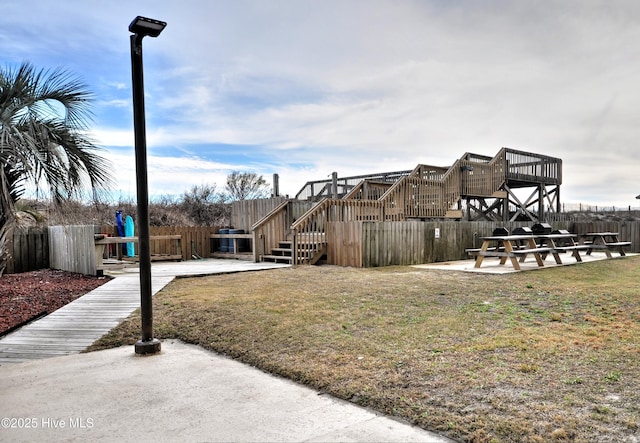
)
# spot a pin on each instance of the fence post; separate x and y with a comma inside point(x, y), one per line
point(294, 248)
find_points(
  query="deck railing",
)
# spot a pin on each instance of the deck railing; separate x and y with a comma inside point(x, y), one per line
point(529, 167)
point(368, 190)
point(319, 189)
point(479, 178)
point(420, 195)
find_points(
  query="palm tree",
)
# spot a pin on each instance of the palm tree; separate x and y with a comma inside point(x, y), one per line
point(44, 118)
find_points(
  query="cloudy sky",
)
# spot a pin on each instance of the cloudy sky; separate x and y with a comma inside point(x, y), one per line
point(304, 88)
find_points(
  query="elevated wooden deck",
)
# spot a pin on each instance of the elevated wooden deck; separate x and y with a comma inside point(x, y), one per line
point(480, 187)
point(430, 191)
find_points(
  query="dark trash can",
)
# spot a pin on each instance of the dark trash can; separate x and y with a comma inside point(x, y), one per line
point(523, 230)
point(224, 242)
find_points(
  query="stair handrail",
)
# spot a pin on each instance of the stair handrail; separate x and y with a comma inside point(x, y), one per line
point(450, 183)
point(325, 203)
point(298, 249)
point(414, 173)
point(435, 174)
point(360, 186)
point(262, 240)
point(391, 177)
point(301, 222)
point(270, 214)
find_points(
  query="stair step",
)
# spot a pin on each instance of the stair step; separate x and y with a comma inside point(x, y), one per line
point(289, 245)
point(277, 258)
point(283, 250)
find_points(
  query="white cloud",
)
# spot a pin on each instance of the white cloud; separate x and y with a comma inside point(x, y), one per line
point(356, 88)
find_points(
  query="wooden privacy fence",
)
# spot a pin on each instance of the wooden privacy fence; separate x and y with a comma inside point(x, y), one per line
point(71, 248)
point(196, 240)
point(29, 250)
point(357, 243)
point(371, 244)
point(244, 213)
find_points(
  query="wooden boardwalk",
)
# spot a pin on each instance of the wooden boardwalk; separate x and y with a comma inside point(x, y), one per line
point(75, 326)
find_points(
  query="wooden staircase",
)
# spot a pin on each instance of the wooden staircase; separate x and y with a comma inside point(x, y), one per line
point(309, 253)
point(282, 254)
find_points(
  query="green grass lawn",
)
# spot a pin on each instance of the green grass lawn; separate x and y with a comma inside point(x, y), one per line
point(545, 355)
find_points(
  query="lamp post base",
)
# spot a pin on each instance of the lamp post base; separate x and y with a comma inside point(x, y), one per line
point(148, 347)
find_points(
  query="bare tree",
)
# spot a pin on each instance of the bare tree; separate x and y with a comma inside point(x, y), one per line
point(246, 186)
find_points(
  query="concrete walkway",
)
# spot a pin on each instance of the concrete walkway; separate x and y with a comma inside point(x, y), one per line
point(492, 265)
point(75, 326)
point(184, 393)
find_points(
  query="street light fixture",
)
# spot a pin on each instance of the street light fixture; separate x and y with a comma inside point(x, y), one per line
point(141, 27)
point(146, 26)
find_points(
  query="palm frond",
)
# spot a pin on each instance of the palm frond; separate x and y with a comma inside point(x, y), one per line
point(44, 115)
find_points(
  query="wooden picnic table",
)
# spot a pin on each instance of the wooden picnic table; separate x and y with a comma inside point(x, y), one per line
point(562, 243)
point(509, 247)
point(605, 241)
point(514, 247)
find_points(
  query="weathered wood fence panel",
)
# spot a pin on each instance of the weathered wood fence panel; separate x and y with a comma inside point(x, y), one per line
point(244, 213)
point(406, 243)
point(72, 248)
point(196, 241)
point(345, 249)
point(415, 242)
point(29, 250)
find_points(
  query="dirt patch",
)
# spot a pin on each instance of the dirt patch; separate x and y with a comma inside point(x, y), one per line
point(31, 294)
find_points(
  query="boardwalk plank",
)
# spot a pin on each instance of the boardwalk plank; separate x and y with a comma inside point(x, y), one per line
point(75, 326)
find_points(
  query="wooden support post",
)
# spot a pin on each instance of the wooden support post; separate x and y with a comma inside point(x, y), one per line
point(276, 185)
point(334, 185)
point(541, 194)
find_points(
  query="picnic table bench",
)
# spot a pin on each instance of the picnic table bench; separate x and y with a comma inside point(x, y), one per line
point(512, 247)
point(564, 242)
point(605, 241)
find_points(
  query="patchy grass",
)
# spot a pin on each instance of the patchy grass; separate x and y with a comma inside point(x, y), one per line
point(548, 355)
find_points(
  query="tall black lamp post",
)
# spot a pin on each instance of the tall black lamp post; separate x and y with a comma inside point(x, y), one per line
point(141, 27)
